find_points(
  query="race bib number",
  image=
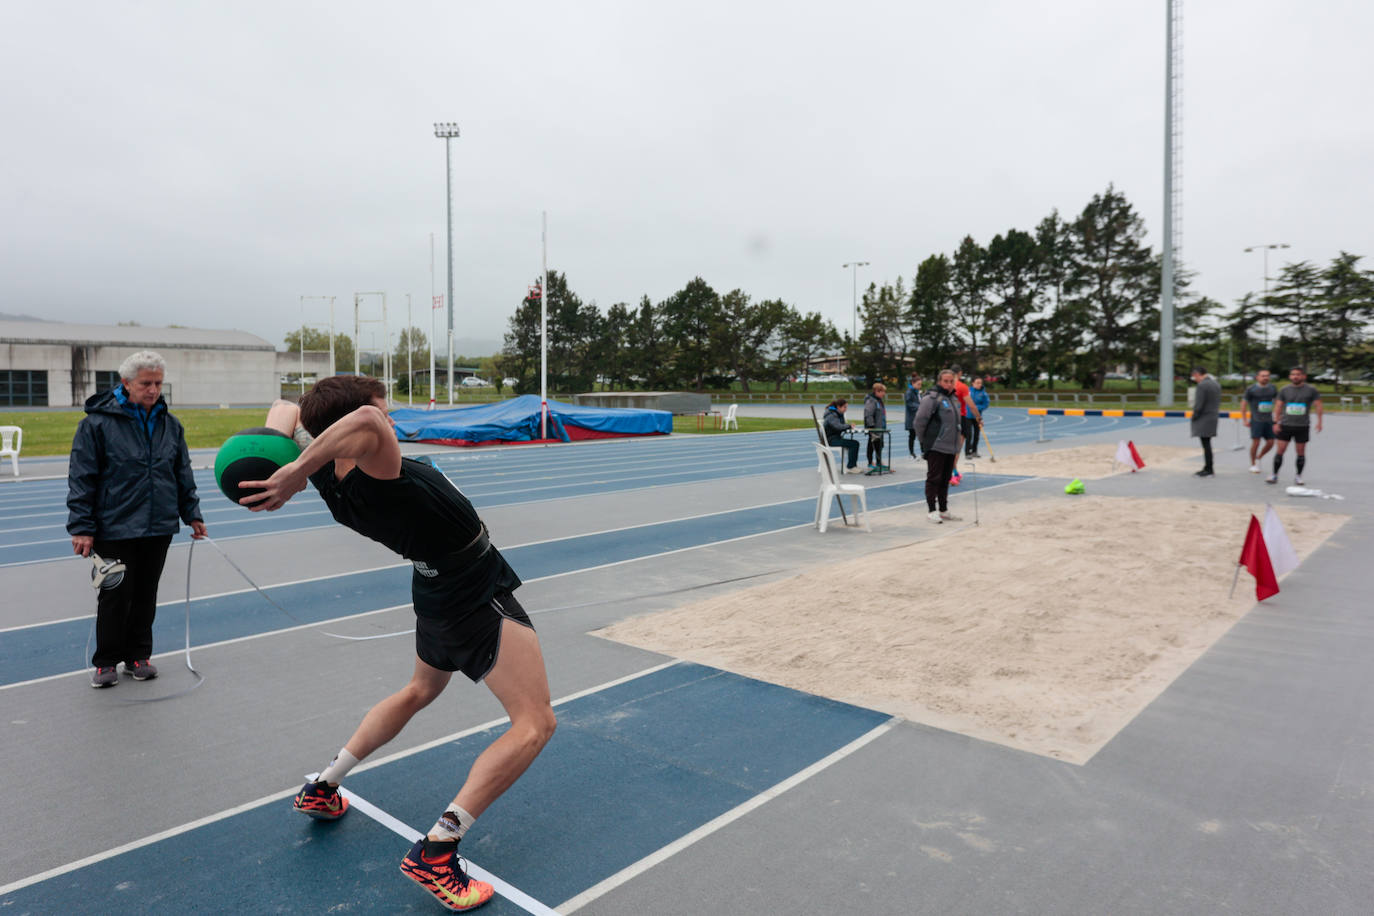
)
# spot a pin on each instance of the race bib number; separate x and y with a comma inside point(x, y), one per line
point(1265, 406)
point(1296, 410)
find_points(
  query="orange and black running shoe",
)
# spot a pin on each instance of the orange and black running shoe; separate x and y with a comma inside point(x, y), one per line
point(321, 800)
point(442, 875)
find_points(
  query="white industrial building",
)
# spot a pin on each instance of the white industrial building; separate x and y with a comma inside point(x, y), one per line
point(48, 363)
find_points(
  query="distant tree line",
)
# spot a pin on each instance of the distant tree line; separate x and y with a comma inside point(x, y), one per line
point(696, 338)
point(1070, 301)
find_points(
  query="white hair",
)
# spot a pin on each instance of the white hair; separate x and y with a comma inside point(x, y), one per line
point(143, 359)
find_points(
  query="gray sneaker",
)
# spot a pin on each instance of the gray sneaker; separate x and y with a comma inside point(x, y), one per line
point(143, 670)
point(105, 677)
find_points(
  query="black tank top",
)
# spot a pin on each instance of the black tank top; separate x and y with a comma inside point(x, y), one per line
point(422, 516)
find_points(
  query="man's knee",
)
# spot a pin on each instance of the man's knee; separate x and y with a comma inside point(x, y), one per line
point(537, 726)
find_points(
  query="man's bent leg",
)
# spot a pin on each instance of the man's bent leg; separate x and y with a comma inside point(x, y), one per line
point(518, 680)
point(385, 720)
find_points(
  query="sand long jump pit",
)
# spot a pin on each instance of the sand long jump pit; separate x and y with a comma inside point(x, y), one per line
point(1047, 628)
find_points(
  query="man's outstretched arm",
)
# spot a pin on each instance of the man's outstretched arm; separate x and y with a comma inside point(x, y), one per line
point(363, 436)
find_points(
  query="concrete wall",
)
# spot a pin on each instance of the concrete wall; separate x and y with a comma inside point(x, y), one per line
point(197, 376)
point(316, 364)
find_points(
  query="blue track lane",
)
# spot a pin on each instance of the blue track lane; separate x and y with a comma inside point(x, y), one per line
point(686, 744)
point(50, 649)
point(33, 515)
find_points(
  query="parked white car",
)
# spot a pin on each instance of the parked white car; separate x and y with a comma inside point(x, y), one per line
point(509, 382)
point(473, 381)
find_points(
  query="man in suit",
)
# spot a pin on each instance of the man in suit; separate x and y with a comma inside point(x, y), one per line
point(1206, 406)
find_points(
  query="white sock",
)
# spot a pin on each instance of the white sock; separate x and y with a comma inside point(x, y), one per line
point(452, 824)
point(338, 767)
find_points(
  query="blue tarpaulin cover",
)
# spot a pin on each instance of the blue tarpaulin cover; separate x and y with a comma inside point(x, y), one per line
point(517, 420)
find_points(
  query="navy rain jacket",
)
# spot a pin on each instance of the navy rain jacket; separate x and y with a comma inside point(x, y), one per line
point(127, 479)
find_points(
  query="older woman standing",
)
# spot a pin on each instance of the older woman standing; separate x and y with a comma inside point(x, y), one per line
point(129, 486)
point(937, 428)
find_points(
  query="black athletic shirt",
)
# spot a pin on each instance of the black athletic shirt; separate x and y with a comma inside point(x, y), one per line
point(422, 516)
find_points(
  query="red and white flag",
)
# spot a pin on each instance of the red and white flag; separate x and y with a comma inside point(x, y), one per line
point(1282, 557)
point(1127, 455)
point(1254, 556)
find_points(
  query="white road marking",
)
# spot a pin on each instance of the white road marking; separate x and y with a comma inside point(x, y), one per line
point(638, 868)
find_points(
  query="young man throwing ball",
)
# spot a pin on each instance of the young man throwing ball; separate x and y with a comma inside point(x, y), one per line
point(467, 618)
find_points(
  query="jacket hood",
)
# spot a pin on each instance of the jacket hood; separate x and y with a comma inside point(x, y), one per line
point(104, 402)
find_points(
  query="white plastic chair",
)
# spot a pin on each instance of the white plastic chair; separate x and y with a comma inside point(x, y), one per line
point(730, 417)
point(11, 441)
point(832, 488)
point(839, 450)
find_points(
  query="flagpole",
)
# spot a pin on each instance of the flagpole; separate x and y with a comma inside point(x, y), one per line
point(1234, 580)
point(544, 329)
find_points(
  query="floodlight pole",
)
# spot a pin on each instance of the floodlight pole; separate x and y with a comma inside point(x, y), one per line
point(544, 327)
point(448, 130)
point(1166, 272)
point(855, 265)
point(1264, 324)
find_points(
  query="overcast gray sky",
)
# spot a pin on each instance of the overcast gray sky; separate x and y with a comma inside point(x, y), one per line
point(209, 163)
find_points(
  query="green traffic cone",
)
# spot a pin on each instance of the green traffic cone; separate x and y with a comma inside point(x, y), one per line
point(1075, 487)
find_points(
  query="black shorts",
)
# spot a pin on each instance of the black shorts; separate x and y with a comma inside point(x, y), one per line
point(470, 640)
point(1293, 433)
point(1261, 429)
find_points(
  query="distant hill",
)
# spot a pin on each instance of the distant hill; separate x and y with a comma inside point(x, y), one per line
point(5, 316)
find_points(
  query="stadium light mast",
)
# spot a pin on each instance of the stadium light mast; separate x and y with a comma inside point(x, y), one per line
point(448, 130)
point(855, 265)
point(1173, 127)
point(1264, 326)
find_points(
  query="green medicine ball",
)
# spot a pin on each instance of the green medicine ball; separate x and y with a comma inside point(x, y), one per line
point(252, 454)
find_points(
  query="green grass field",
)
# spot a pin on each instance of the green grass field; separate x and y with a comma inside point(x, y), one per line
point(688, 424)
point(50, 433)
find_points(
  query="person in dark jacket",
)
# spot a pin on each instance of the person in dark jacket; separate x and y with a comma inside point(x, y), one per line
point(1206, 407)
point(911, 399)
point(875, 418)
point(981, 400)
point(940, 448)
point(129, 486)
point(835, 429)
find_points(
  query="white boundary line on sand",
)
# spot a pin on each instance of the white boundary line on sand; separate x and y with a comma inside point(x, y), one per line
point(288, 793)
point(638, 868)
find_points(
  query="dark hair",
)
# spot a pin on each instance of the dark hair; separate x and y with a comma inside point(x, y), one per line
point(839, 402)
point(336, 397)
point(1200, 370)
point(956, 370)
point(1302, 369)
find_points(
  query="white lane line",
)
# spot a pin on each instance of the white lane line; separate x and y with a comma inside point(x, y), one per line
point(570, 572)
point(638, 868)
point(504, 888)
point(145, 841)
point(288, 793)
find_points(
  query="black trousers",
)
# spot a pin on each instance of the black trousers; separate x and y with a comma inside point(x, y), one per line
point(851, 449)
point(874, 454)
point(1206, 453)
point(939, 469)
point(972, 433)
point(124, 615)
